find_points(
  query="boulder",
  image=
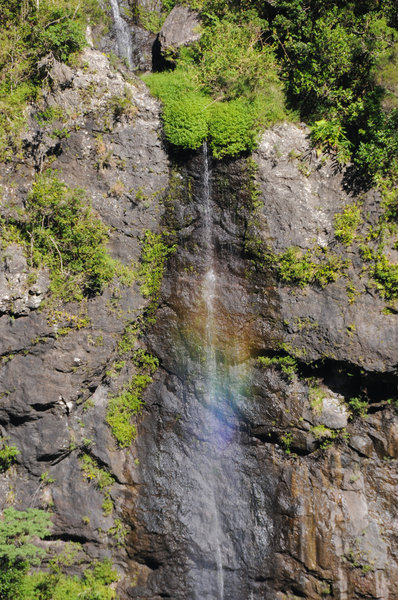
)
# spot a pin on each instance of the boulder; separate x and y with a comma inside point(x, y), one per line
point(181, 28)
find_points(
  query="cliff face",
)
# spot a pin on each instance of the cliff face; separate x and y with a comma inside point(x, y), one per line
point(247, 478)
point(57, 361)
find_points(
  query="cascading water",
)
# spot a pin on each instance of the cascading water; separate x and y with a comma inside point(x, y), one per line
point(209, 295)
point(123, 35)
point(197, 496)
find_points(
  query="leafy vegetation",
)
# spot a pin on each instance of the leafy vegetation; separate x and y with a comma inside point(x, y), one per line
point(31, 31)
point(346, 223)
point(60, 230)
point(287, 364)
point(8, 455)
point(102, 479)
point(154, 253)
point(19, 531)
point(337, 62)
point(128, 402)
point(225, 86)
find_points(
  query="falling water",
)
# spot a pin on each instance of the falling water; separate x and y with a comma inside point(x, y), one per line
point(123, 35)
point(209, 296)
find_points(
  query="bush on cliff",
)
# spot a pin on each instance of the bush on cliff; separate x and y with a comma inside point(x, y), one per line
point(225, 86)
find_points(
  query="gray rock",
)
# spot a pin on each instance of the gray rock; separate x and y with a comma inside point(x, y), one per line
point(181, 28)
point(334, 413)
point(18, 295)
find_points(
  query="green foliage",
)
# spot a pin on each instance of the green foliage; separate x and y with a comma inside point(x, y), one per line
point(61, 230)
point(8, 455)
point(358, 406)
point(385, 274)
point(287, 364)
point(102, 479)
point(128, 402)
point(154, 253)
point(324, 434)
point(302, 268)
point(232, 128)
point(225, 86)
point(55, 585)
point(346, 223)
point(378, 151)
point(334, 58)
point(330, 136)
point(186, 120)
point(31, 31)
point(18, 529)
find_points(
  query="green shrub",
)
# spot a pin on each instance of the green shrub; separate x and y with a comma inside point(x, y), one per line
point(61, 230)
point(331, 136)
point(123, 406)
point(225, 86)
point(18, 529)
point(293, 266)
point(154, 253)
point(8, 455)
point(186, 120)
point(346, 223)
point(385, 274)
point(232, 128)
point(94, 585)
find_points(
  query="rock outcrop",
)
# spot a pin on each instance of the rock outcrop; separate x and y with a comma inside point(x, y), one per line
point(181, 28)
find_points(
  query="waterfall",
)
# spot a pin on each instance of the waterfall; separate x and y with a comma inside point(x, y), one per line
point(123, 35)
point(209, 293)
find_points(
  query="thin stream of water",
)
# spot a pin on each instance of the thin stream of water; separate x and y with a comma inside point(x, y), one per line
point(209, 292)
point(123, 35)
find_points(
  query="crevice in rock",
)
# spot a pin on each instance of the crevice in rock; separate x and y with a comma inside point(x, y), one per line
point(43, 407)
point(148, 560)
point(71, 537)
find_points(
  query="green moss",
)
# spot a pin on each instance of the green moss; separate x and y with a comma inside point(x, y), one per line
point(128, 402)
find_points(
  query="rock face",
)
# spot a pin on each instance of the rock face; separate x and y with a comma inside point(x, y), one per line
point(181, 28)
point(264, 485)
point(247, 479)
point(55, 365)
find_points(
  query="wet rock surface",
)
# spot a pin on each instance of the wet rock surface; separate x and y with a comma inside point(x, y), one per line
point(274, 480)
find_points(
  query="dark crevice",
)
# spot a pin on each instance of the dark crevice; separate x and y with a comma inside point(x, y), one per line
point(71, 537)
point(17, 420)
point(149, 560)
point(44, 407)
point(274, 438)
point(55, 457)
